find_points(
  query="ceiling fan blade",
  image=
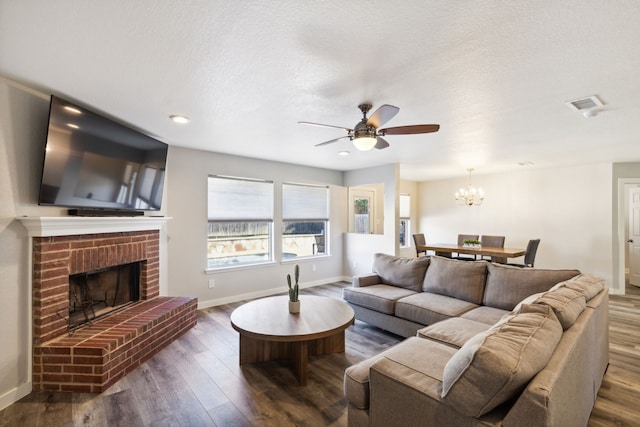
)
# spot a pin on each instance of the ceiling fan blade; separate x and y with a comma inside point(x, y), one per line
point(409, 130)
point(326, 126)
point(381, 143)
point(331, 141)
point(382, 115)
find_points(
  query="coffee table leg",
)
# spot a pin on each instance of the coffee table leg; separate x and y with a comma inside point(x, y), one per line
point(300, 357)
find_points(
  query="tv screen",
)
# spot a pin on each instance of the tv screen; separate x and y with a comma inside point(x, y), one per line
point(93, 162)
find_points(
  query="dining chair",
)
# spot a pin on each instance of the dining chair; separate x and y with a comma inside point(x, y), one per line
point(495, 242)
point(419, 240)
point(530, 254)
point(461, 239)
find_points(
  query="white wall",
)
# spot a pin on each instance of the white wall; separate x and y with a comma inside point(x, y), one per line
point(186, 193)
point(569, 209)
point(359, 248)
point(410, 188)
point(23, 123)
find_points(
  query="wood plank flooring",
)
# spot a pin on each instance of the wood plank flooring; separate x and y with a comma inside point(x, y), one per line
point(197, 381)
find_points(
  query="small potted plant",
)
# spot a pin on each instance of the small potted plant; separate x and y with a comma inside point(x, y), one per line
point(294, 302)
point(471, 243)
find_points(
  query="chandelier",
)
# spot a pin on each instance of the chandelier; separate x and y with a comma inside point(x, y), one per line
point(470, 196)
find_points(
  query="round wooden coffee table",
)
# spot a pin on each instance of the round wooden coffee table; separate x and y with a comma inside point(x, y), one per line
point(269, 332)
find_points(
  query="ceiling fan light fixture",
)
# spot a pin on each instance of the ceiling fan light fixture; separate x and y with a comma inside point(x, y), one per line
point(365, 143)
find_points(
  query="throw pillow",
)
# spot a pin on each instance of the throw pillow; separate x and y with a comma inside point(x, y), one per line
point(494, 366)
point(508, 285)
point(567, 304)
point(405, 273)
point(587, 284)
point(455, 278)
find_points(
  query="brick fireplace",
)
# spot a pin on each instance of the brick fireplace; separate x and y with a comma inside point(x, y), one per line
point(95, 356)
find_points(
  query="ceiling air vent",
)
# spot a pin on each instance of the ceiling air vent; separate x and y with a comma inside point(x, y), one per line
point(585, 104)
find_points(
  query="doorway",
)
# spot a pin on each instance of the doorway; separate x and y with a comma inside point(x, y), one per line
point(624, 219)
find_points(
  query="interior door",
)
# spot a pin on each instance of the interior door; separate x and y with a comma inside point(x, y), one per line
point(634, 236)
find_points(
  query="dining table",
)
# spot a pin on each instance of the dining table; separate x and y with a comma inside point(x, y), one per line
point(474, 250)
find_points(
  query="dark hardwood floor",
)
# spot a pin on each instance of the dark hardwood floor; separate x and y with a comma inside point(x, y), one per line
point(196, 381)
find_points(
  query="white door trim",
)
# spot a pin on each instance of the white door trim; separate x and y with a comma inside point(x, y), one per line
point(619, 287)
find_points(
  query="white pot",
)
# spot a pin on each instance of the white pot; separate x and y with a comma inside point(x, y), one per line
point(294, 307)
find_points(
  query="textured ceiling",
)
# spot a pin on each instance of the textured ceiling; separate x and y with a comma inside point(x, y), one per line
point(494, 74)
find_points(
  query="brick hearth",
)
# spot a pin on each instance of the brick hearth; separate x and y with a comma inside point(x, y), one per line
point(96, 356)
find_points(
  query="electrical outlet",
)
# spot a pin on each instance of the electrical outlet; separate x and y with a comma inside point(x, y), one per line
point(212, 283)
point(314, 268)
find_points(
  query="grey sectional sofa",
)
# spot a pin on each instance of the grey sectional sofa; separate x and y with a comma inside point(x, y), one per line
point(489, 344)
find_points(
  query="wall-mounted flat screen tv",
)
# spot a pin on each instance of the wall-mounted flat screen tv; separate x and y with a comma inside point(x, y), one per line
point(92, 162)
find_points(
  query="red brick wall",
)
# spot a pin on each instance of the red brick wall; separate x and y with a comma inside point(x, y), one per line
point(99, 354)
point(55, 258)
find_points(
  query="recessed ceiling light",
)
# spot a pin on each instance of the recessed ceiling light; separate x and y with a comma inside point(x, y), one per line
point(72, 126)
point(343, 153)
point(180, 119)
point(72, 109)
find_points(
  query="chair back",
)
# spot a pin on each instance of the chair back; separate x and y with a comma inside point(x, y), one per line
point(463, 237)
point(494, 242)
point(530, 254)
point(419, 239)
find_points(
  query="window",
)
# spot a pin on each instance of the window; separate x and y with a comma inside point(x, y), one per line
point(305, 219)
point(240, 221)
point(405, 221)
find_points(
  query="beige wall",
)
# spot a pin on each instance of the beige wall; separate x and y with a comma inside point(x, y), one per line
point(569, 209)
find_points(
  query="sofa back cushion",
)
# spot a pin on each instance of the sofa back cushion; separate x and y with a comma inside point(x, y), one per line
point(405, 273)
point(463, 280)
point(588, 285)
point(507, 285)
point(567, 304)
point(494, 366)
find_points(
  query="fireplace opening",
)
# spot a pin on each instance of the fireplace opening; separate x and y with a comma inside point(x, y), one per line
point(95, 294)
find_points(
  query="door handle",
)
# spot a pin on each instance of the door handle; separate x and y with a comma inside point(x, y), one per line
point(630, 241)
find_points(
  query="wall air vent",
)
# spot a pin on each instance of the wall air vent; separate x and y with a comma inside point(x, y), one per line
point(585, 104)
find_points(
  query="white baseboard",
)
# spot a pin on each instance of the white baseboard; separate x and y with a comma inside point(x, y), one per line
point(267, 292)
point(15, 394)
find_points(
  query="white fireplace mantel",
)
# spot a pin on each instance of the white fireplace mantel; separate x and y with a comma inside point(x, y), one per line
point(70, 225)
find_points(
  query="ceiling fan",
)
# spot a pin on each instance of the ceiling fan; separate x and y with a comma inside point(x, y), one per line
point(366, 133)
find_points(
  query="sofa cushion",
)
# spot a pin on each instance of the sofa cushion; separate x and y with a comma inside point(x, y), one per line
point(427, 308)
point(424, 356)
point(508, 285)
point(587, 284)
point(494, 366)
point(484, 314)
point(454, 332)
point(402, 272)
point(380, 298)
point(567, 304)
point(456, 278)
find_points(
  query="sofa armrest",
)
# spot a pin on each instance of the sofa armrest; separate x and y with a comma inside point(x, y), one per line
point(368, 280)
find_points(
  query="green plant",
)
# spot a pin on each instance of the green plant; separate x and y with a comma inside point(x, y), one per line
point(471, 242)
point(293, 290)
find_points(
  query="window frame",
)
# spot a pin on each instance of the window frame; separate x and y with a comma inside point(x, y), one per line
point(316, 214)
point(404, 217)
point(265, 215)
